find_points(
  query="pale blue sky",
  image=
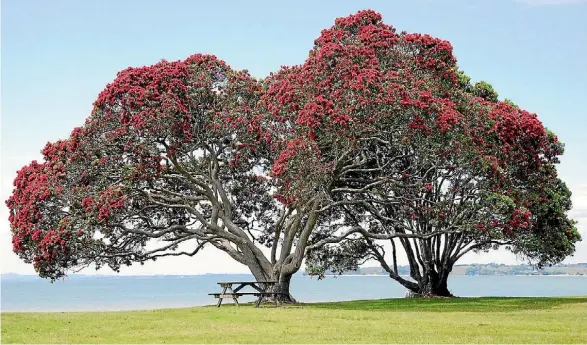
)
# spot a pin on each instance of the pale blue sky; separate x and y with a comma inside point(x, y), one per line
point(58, 55)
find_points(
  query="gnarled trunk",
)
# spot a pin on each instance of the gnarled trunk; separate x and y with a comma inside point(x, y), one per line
point(282, 278)
point(282, 287)
point(433, 286)
point(430, 284)
point(430, 266)
point(281, 269)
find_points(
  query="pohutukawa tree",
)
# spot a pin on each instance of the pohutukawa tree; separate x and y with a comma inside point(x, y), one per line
point(328, 113)
point(172, 159)
point(415, 155)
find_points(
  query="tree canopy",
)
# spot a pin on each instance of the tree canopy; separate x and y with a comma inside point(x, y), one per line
point(445, 167)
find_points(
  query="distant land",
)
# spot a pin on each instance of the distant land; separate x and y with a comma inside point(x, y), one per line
point(486, 270)
point(11, 275)
point(469, 269)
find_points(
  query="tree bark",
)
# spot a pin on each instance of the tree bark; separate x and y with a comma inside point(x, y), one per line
point(276, 274)
point(432, 284)
point(282, 287)
point(430, 275)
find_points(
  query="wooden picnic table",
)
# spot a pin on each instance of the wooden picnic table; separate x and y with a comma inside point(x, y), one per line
point(262, 288)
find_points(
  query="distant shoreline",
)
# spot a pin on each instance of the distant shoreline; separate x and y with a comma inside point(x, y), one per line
point(491, 269)
point(462, 275)
point(129, 276)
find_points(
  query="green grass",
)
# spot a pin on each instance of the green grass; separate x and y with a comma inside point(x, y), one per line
point(457, 320)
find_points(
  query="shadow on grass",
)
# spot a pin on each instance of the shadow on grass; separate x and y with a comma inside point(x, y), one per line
point(484, 304)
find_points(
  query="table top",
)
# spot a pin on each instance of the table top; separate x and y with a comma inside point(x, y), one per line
point(260, 282)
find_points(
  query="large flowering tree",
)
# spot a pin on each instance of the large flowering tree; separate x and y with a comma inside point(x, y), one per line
point(172, 159)
point(409, 151)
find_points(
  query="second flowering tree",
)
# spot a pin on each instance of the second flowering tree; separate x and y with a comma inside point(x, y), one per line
point(417, 157)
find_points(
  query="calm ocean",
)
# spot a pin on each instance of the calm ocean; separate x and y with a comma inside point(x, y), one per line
point(87, 293)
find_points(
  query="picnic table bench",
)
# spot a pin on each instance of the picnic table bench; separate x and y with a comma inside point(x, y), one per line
point(262, 288)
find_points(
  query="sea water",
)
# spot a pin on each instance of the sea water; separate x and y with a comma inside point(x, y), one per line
point(93, 293)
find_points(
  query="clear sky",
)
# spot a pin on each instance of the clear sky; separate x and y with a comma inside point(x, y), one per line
point(58, 55)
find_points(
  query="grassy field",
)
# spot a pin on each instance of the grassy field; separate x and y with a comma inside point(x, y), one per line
point(459, 320)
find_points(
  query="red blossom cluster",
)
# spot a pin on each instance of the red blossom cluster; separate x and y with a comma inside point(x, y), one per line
point(109, 200)
point(31, 185)
point(361, 76)
point(40, 228)
point(433, 54)
point(175, 103)
point(511, 137)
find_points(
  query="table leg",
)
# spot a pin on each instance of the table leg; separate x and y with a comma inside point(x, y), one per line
point(277, 300)
point(261, 288)
point(220, 299)
point(234, 297)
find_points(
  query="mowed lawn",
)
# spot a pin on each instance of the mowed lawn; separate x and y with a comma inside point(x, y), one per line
point(458, 320)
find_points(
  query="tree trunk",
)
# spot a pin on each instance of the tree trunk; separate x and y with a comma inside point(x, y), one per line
point(435, 286)
point(432, 284)
point(282, 287)
point(283, 282)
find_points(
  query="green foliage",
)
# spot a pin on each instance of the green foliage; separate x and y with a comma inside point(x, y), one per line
point(336, 259)
point(464, 81)
point(508, 101)
point(484, 90)
point(554, 235)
